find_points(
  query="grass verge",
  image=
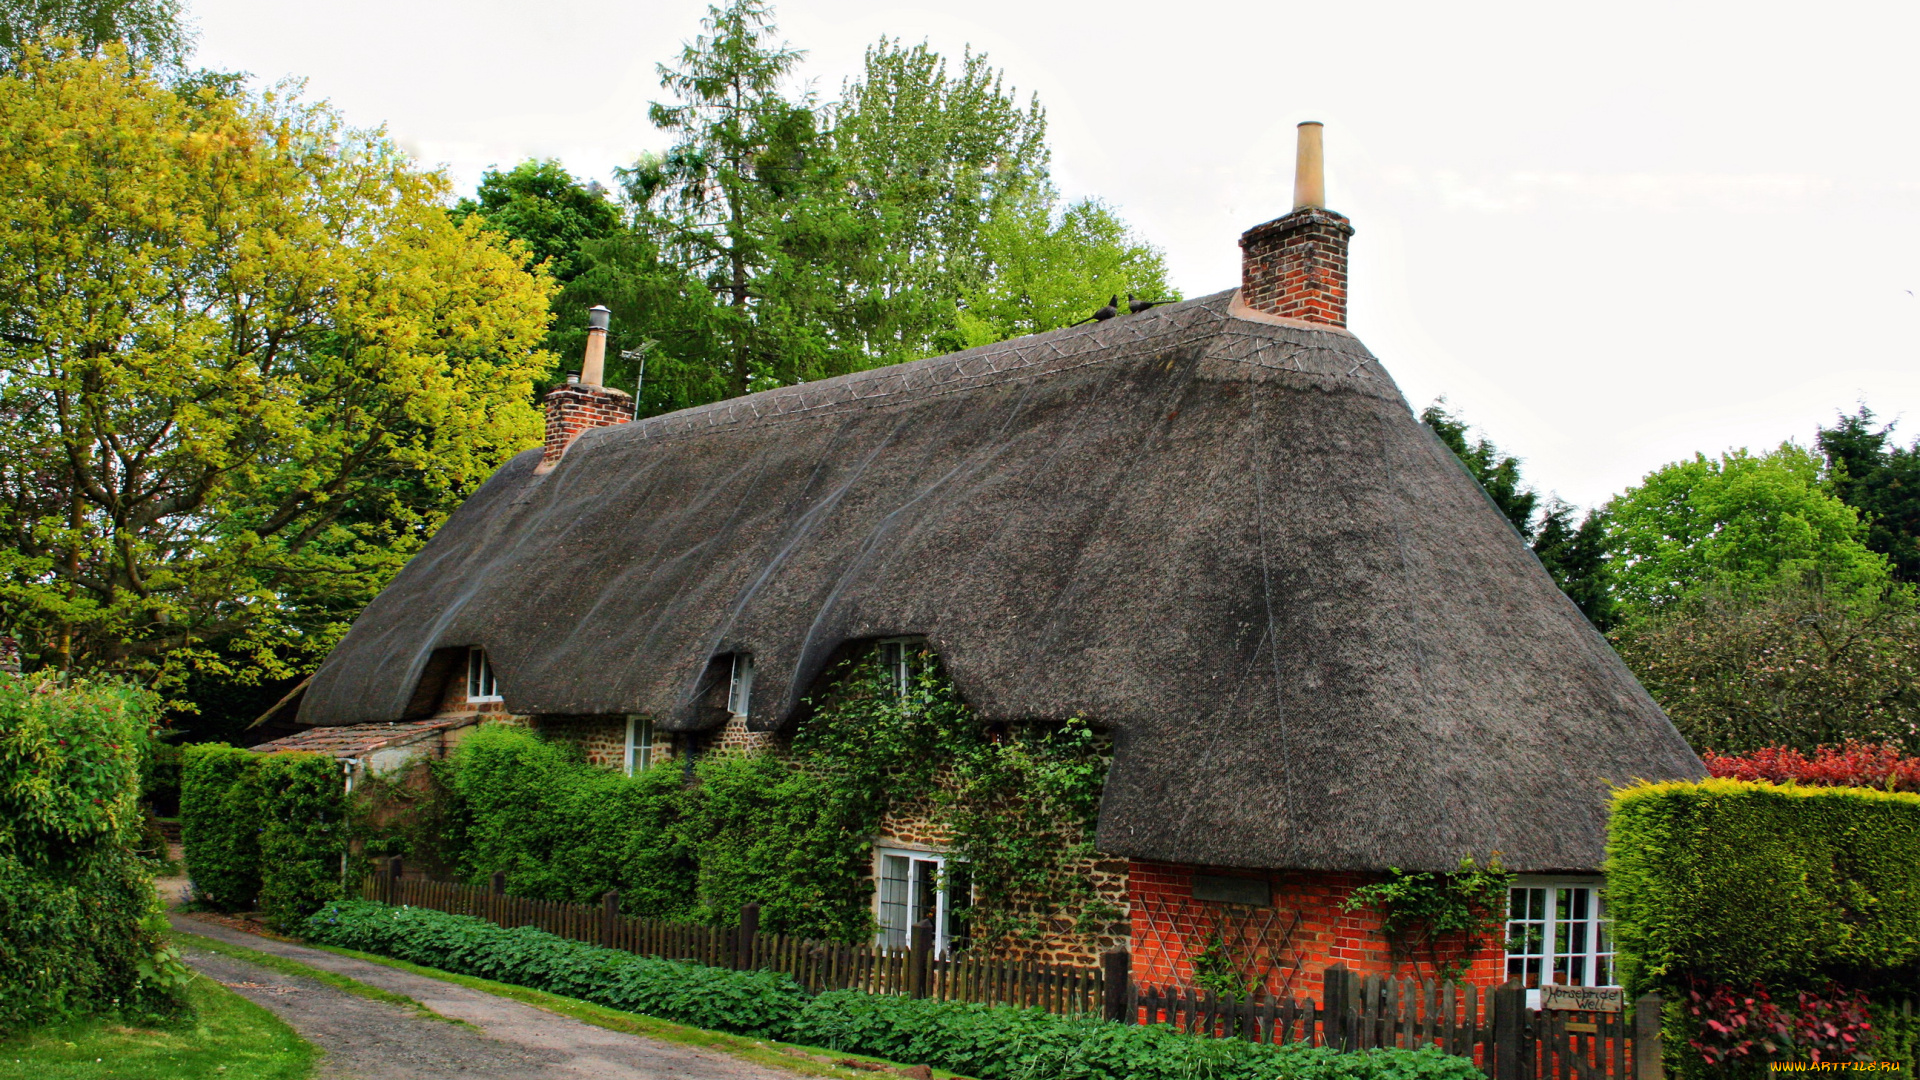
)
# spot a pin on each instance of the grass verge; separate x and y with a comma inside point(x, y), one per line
point(228, 1038)
point(811, 1060)
point(294, 967)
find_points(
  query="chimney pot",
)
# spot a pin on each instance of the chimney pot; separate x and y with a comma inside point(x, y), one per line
point(1296, 266)
point(593, 369)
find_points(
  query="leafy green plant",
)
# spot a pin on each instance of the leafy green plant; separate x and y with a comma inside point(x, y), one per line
point(1449, 917)
point(80, 926)
point(988, 1042)
point(266, 829)
point(219, 828)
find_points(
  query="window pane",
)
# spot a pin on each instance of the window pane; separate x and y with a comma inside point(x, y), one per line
point(740, 694)
point(643, 743)
point(926, 889)
point(959, 901)
point(893, 901)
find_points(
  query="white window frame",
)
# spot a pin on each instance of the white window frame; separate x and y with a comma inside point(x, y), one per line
point(896, 655)
point(740, 684)
point(639, 750)
point(482, 684)
point(901, 936)
point(1564, 933)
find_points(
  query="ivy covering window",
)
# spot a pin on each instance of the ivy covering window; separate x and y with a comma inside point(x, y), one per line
point(898, 657)
point(921, 885)
point(639, 756)
point(1558, 932)
point(480, 681)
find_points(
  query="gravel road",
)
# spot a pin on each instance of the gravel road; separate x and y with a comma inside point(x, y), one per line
point(371, 1040)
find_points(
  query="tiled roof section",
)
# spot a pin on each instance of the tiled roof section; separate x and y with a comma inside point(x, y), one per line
point(358, 739)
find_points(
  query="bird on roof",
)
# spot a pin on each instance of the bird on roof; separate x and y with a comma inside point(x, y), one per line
point(1135, 307)
point(1105, 313)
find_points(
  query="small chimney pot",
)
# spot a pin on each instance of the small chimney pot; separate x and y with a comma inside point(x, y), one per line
point(1295, 266)
point(593, 368)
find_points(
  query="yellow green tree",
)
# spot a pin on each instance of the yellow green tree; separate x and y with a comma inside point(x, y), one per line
point(248, 364)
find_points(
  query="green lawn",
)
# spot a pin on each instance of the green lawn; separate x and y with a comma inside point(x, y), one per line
point(229, 1038)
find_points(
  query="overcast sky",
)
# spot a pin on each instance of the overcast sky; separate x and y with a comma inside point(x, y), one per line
point(1611, 235)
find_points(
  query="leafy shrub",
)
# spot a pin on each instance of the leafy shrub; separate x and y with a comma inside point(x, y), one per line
point(999, 1042)
point(265, 829)
point(219, 825)
point(1450, 916)
point(1730, 883)
point(80, 926)
point(753, 1002)
point(1851, 764)
point(303, 834)
point(989, 1042)
point(1732, 1028)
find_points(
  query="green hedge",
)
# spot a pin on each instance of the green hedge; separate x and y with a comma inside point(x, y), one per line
point(1734, 881)
point(80, 927)
point(219, 825)
point(265, 830)
point(988, 1042)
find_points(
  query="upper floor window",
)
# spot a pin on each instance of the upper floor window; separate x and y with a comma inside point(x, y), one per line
point(740, 690)
point(1558, 932)
point(639, 755)
point(481, 685)
point(900, 658)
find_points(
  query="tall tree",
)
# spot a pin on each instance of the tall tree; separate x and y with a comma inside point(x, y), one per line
point(1574, 554)
point(153, 31)
point(1739, 522)
point(247, 365)
point(542, 205)
point(1881, 479)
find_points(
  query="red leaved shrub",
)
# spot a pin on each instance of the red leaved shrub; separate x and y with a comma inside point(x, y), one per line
point(1851, 764)
point(1748, 1027)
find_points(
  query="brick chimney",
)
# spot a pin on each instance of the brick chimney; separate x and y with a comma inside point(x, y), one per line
point(1296, 266)
point(583, 403)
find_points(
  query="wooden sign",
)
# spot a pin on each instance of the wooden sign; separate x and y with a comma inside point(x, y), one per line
point(1608, 999)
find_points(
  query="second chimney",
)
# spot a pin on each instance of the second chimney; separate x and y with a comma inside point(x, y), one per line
point(583, 404)
point(1296, 266)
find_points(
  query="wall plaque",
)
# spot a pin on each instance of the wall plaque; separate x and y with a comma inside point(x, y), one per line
point(1582, 998)
point(1233, 890)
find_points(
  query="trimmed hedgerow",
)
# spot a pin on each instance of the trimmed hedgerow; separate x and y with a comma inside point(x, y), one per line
point(263, 829)
point(303, 834)
point(81, 930)
point(746, 1002)
point(1730, 897)
point(1736, 881)
point(219, 825)
point(988, 1042)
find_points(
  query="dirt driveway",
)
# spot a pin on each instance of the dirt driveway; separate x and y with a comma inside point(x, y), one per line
point(371, 1040)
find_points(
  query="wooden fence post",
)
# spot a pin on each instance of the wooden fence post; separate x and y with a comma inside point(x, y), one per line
point(1336, 1001)
point(1509, 1022)
point(743, 941)
point(1115, 969)
point(394, 871)
point(1647, 1062)
point(919, 955)
point(609, 916)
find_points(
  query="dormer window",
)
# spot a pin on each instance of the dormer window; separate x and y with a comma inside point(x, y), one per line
point(900, 660)
point(740, 690)
point(481, 686)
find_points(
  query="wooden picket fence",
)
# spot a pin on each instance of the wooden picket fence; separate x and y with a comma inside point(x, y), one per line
point(1493, 1027)
point(815, 965)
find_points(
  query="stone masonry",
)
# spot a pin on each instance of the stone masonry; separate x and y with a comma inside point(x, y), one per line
point(1296, 266)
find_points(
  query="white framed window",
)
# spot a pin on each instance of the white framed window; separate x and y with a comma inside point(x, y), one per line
point(916, 885)
point(481, 685)
point(740, 688)
point(899, 658)
point(1558, 931)
point(639, 755)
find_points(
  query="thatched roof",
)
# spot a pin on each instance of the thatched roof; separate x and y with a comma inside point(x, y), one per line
point(1318, 645)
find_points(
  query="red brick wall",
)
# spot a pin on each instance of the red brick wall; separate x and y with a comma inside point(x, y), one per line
point(1306, 930)
point(1296, 266)
point(572, 409)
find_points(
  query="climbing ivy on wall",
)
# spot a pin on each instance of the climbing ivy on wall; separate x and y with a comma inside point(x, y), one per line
point(788, 830)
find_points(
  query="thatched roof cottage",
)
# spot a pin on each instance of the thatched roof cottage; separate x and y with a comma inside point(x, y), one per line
point(1213, 527)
